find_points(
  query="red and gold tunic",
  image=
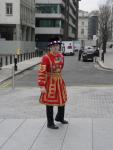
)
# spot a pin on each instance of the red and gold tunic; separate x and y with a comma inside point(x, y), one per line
point(49, 76)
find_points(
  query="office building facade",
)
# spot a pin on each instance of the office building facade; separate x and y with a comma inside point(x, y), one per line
point(83, 25)
point(17, 25)
point(56, 18)
point(93, 25)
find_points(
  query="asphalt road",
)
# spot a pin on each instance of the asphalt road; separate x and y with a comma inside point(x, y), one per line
point(85, 73)
point(74, 73)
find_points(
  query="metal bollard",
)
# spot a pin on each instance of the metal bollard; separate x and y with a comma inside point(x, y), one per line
point(6, 60)
point(15, 64)
point(21, 57)
point(13, 77)
point(10, 59)
point(1, 63)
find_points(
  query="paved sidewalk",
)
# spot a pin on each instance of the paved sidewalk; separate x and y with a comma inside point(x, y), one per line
point(6, 71)
point(89, 112)
point(23, 123)
point(108, 60)
point(80, 134)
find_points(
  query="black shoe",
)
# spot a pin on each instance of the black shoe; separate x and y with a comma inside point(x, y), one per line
point(53, 126)
point(62, 121)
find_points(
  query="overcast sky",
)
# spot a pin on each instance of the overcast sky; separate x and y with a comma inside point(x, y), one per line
point(89, 5)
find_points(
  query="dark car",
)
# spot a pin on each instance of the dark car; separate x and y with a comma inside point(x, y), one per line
point(88, 54)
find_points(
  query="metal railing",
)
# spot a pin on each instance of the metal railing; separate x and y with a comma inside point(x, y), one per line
point(10, 59)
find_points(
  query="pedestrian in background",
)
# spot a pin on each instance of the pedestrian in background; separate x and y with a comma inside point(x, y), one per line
point(80, 53)
point(102, 56)
point(52, 85)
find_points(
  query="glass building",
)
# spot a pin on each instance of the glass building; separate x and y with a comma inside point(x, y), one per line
point(93, 24)
point(56, 18)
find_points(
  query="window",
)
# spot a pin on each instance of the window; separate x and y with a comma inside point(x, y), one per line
point(46, 8)
point(82, 31)
point(9, 8)
point(48, 23)
point(83, 23)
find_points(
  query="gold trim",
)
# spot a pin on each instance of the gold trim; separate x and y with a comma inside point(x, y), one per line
point(52, 87)
point(52, 104)
point(42, 68)
point(41, 78)
point(42, 74)
point(59, 90)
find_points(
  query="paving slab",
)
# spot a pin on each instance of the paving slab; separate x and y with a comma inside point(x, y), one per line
point(50, 139)
point(7, 128)
point(1, 120)
point(25, 136)
point(79, 135)
point(102, 134)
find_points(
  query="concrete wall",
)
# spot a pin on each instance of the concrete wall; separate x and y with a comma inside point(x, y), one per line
point(83, 25)
point(54, 30)
point(9, 47)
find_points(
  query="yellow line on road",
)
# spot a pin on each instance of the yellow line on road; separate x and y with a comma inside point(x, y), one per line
point(6, 84)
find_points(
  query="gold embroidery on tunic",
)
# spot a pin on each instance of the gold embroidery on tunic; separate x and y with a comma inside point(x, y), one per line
point(42, 68)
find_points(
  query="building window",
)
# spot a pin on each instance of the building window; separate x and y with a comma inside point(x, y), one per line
point(82, 31)
point(46, 8)
point(83, 23)
point(9, 8)
point(48, 23)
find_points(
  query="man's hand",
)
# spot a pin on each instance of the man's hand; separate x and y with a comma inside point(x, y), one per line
point(43, 90)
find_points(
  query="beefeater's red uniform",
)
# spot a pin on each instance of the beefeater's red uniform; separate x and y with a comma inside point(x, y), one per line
point(49, 76)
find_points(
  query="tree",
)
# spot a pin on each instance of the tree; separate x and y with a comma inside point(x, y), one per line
point(104, 24)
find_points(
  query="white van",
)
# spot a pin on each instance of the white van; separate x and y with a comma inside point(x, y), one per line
point(67, 48)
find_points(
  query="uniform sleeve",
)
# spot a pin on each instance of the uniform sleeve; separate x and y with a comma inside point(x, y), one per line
point(42, 72)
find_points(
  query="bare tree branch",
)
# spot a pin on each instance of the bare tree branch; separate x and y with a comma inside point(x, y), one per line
point(104, 24)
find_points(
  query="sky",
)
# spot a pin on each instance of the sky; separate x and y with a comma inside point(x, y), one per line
point(89, 5)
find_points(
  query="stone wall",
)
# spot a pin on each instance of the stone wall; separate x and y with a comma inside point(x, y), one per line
point(10, 47)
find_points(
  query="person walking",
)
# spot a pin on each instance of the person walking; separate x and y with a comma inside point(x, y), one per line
point(52, 85)
point(80, 53)
point(102, 56)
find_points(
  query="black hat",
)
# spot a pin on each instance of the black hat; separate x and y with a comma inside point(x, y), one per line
point(53, 41)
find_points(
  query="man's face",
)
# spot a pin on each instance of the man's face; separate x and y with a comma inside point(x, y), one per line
point(55, 47)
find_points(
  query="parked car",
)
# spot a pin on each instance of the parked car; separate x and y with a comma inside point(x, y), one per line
point(88, 54)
